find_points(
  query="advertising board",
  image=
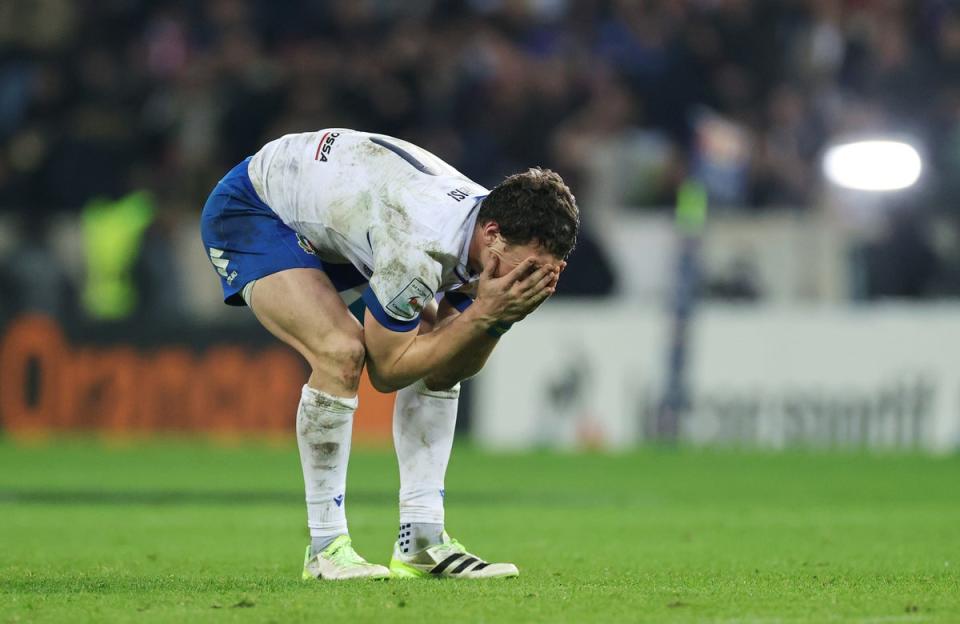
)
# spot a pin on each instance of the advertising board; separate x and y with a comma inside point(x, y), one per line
point(590, 375)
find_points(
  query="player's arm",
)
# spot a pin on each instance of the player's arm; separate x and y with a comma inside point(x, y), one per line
point(396, 359)
point(474, 360)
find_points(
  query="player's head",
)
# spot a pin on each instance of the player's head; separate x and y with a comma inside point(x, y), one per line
point(529, 214)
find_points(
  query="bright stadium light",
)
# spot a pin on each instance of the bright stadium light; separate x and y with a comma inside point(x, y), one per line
point(873, 165)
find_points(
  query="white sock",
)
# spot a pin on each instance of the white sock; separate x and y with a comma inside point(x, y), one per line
point(423, 424)
point(324, 428)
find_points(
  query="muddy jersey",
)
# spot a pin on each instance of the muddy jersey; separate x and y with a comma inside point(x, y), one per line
point(396, 212)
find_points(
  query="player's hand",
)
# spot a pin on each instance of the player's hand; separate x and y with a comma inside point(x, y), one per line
point(513, 296)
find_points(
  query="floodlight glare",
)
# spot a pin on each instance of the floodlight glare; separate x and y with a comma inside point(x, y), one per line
point(873, 165)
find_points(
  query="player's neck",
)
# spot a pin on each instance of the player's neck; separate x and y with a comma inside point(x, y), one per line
point(473, 252)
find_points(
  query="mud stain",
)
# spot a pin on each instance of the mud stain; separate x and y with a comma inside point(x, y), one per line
point(443, 257)
point(324, 449)
point(324, 401)
point(394, 271)
point(313, 428)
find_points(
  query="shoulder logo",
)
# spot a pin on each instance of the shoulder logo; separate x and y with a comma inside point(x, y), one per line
point(326, 144)
point(410, 301)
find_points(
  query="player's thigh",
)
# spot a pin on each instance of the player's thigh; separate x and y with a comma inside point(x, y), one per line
point(303, 308)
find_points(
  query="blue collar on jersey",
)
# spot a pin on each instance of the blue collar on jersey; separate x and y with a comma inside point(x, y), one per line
point(464, 268)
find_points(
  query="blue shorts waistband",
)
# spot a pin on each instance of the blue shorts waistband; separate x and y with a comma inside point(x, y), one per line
point(238, 180)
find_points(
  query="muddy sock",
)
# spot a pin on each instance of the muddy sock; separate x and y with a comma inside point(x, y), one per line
point(324, 427)
point(319, 543)
point(416, 536)
point(423, 424)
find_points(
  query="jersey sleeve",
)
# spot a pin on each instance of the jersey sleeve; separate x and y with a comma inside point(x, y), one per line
point(404, 280)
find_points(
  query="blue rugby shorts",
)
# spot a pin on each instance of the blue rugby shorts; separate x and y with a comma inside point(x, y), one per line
point(246, 240)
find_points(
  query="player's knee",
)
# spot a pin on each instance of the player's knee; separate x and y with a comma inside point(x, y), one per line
point(342, 357)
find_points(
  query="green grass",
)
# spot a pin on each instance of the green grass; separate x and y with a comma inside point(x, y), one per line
point(189, 532)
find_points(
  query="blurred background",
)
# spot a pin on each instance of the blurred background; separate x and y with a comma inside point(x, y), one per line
point(726, 289)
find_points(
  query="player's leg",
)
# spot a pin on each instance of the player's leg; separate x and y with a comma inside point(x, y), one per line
point(423, 426)
point(303, 308)
point(262, 261)
point(424, 420)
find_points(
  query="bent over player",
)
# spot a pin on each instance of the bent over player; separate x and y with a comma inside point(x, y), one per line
point(342, 242)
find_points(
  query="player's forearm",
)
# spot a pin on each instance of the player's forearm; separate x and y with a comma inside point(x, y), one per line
point(464, 338)
point(465, 367)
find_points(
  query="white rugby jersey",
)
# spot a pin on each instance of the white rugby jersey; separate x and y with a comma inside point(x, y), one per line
point(399, 214)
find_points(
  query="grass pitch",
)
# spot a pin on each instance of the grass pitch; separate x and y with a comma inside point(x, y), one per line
point(191, 532)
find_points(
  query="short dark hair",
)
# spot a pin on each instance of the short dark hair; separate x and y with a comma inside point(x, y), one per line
point(534, 206)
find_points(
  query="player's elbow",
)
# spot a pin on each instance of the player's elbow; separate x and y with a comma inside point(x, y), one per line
point(381, 385)
point(438, 384)
point(448, 378)
point(441, 382)
point(384, 382)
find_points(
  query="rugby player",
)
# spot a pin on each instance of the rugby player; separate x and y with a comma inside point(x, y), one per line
point(342, 243)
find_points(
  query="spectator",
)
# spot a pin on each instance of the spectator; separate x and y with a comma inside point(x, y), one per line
point(611, 93)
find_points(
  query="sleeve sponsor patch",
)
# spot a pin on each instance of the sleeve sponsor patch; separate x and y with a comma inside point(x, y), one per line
point(408, 304)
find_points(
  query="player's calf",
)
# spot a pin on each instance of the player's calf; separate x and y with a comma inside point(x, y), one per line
point(423, 426)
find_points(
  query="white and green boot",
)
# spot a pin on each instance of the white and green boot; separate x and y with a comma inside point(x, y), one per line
point(448, 559)
point(339, 562)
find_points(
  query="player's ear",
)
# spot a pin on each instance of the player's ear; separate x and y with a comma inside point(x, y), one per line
point(491, 232)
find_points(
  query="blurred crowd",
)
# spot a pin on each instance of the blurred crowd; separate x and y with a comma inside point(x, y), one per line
point(625, 98)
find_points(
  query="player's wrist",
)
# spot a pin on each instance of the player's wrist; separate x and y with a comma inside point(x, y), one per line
point(499, 328)
point(480, 315)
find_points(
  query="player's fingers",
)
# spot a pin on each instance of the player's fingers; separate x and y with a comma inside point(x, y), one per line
point(540, 291)
point(531, 281)
point(544, 282)
point(539, 297)
point(520, 271)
